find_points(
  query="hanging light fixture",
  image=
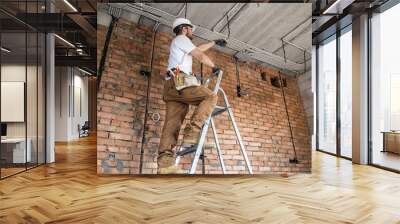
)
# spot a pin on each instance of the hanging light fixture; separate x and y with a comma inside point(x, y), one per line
point(64, 40)
point(70, 5)
point(5, 50)
point(84, 71)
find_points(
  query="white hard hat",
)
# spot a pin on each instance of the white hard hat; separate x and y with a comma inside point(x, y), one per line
point(182, 21)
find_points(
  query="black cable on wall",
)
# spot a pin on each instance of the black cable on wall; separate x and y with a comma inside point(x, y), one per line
point(148, 75)
point(105, 49)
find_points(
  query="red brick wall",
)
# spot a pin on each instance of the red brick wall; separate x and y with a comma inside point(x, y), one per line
point(260, 116)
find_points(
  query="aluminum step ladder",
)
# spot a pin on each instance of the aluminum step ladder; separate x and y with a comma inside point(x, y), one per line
point(198, 148)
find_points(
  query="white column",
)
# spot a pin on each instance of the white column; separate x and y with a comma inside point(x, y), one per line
point(314, 94)
point(360, 90)
point(50, 94)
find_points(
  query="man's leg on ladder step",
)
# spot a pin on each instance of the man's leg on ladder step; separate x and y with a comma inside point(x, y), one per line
point(205, 100)
point(176, 112)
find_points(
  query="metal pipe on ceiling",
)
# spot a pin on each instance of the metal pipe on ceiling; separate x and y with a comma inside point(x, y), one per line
point(223, 17)
point(139, 6)
point(235, 16)
point(254, 52)
point(301, 32)
point(184, 5)
point(296, 27)
point(263, 62)
point(291, 31)
point(296, 46)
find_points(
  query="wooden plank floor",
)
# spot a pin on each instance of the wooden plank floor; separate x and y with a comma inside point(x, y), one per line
point(70, 191)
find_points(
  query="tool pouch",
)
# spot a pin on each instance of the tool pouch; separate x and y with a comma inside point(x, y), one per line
point(183, 80)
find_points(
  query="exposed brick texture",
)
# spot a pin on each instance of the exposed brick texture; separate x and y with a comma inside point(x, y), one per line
point(260, 116)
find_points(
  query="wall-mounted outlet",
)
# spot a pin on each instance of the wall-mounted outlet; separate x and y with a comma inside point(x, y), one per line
point(145, 71)
point(111, 156)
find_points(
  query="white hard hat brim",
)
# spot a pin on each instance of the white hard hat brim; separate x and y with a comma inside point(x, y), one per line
point(182, 21)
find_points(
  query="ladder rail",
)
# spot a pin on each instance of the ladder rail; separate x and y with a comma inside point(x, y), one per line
point(178, 157)
point(221, 160)
point(217, 84)
point(204, 130)
point(199, 147)
point(205, 126)
point(238, 136)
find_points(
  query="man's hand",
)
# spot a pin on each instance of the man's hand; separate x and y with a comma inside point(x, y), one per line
point(216, 70)
point(220, 42)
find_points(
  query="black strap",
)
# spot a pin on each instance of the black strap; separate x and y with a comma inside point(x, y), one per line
point(166, 153)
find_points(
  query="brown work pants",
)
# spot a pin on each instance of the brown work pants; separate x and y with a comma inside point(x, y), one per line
point(177, 108)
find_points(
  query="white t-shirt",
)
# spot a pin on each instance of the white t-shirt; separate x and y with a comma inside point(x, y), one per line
point(179, 54)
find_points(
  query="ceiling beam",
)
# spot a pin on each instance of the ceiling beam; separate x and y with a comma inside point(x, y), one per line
point(84, 61)
point(84, 24)
point(91, 5)
point(337, 6)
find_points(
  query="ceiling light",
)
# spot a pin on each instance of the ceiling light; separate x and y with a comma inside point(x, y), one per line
point(79, 51)
point(338, 6)
point(70, 5)
point(65, 41)
point(86, 72)
point(5, 50)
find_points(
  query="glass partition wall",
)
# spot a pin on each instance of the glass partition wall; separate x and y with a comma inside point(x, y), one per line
point(327, 95)
point(22, 78)
point(334, 98)
point(334, 93)
point(345, 62)
point(385, 89)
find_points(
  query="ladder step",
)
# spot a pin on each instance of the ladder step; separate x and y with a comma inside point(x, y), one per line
point(218, 110)
point(187, 150)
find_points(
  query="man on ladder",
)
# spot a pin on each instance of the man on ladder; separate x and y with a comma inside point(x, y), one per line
point(182, 89)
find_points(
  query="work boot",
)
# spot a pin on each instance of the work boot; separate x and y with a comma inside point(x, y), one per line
point(171, 170)
point(191, 135)
point(166, 163)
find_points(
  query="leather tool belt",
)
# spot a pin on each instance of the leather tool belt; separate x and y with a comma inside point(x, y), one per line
point(182, 80)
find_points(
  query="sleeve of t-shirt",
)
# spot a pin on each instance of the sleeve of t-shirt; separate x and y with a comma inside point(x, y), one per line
point(185, 44)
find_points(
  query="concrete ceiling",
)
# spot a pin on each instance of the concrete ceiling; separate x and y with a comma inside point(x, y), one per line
point(258, 25)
